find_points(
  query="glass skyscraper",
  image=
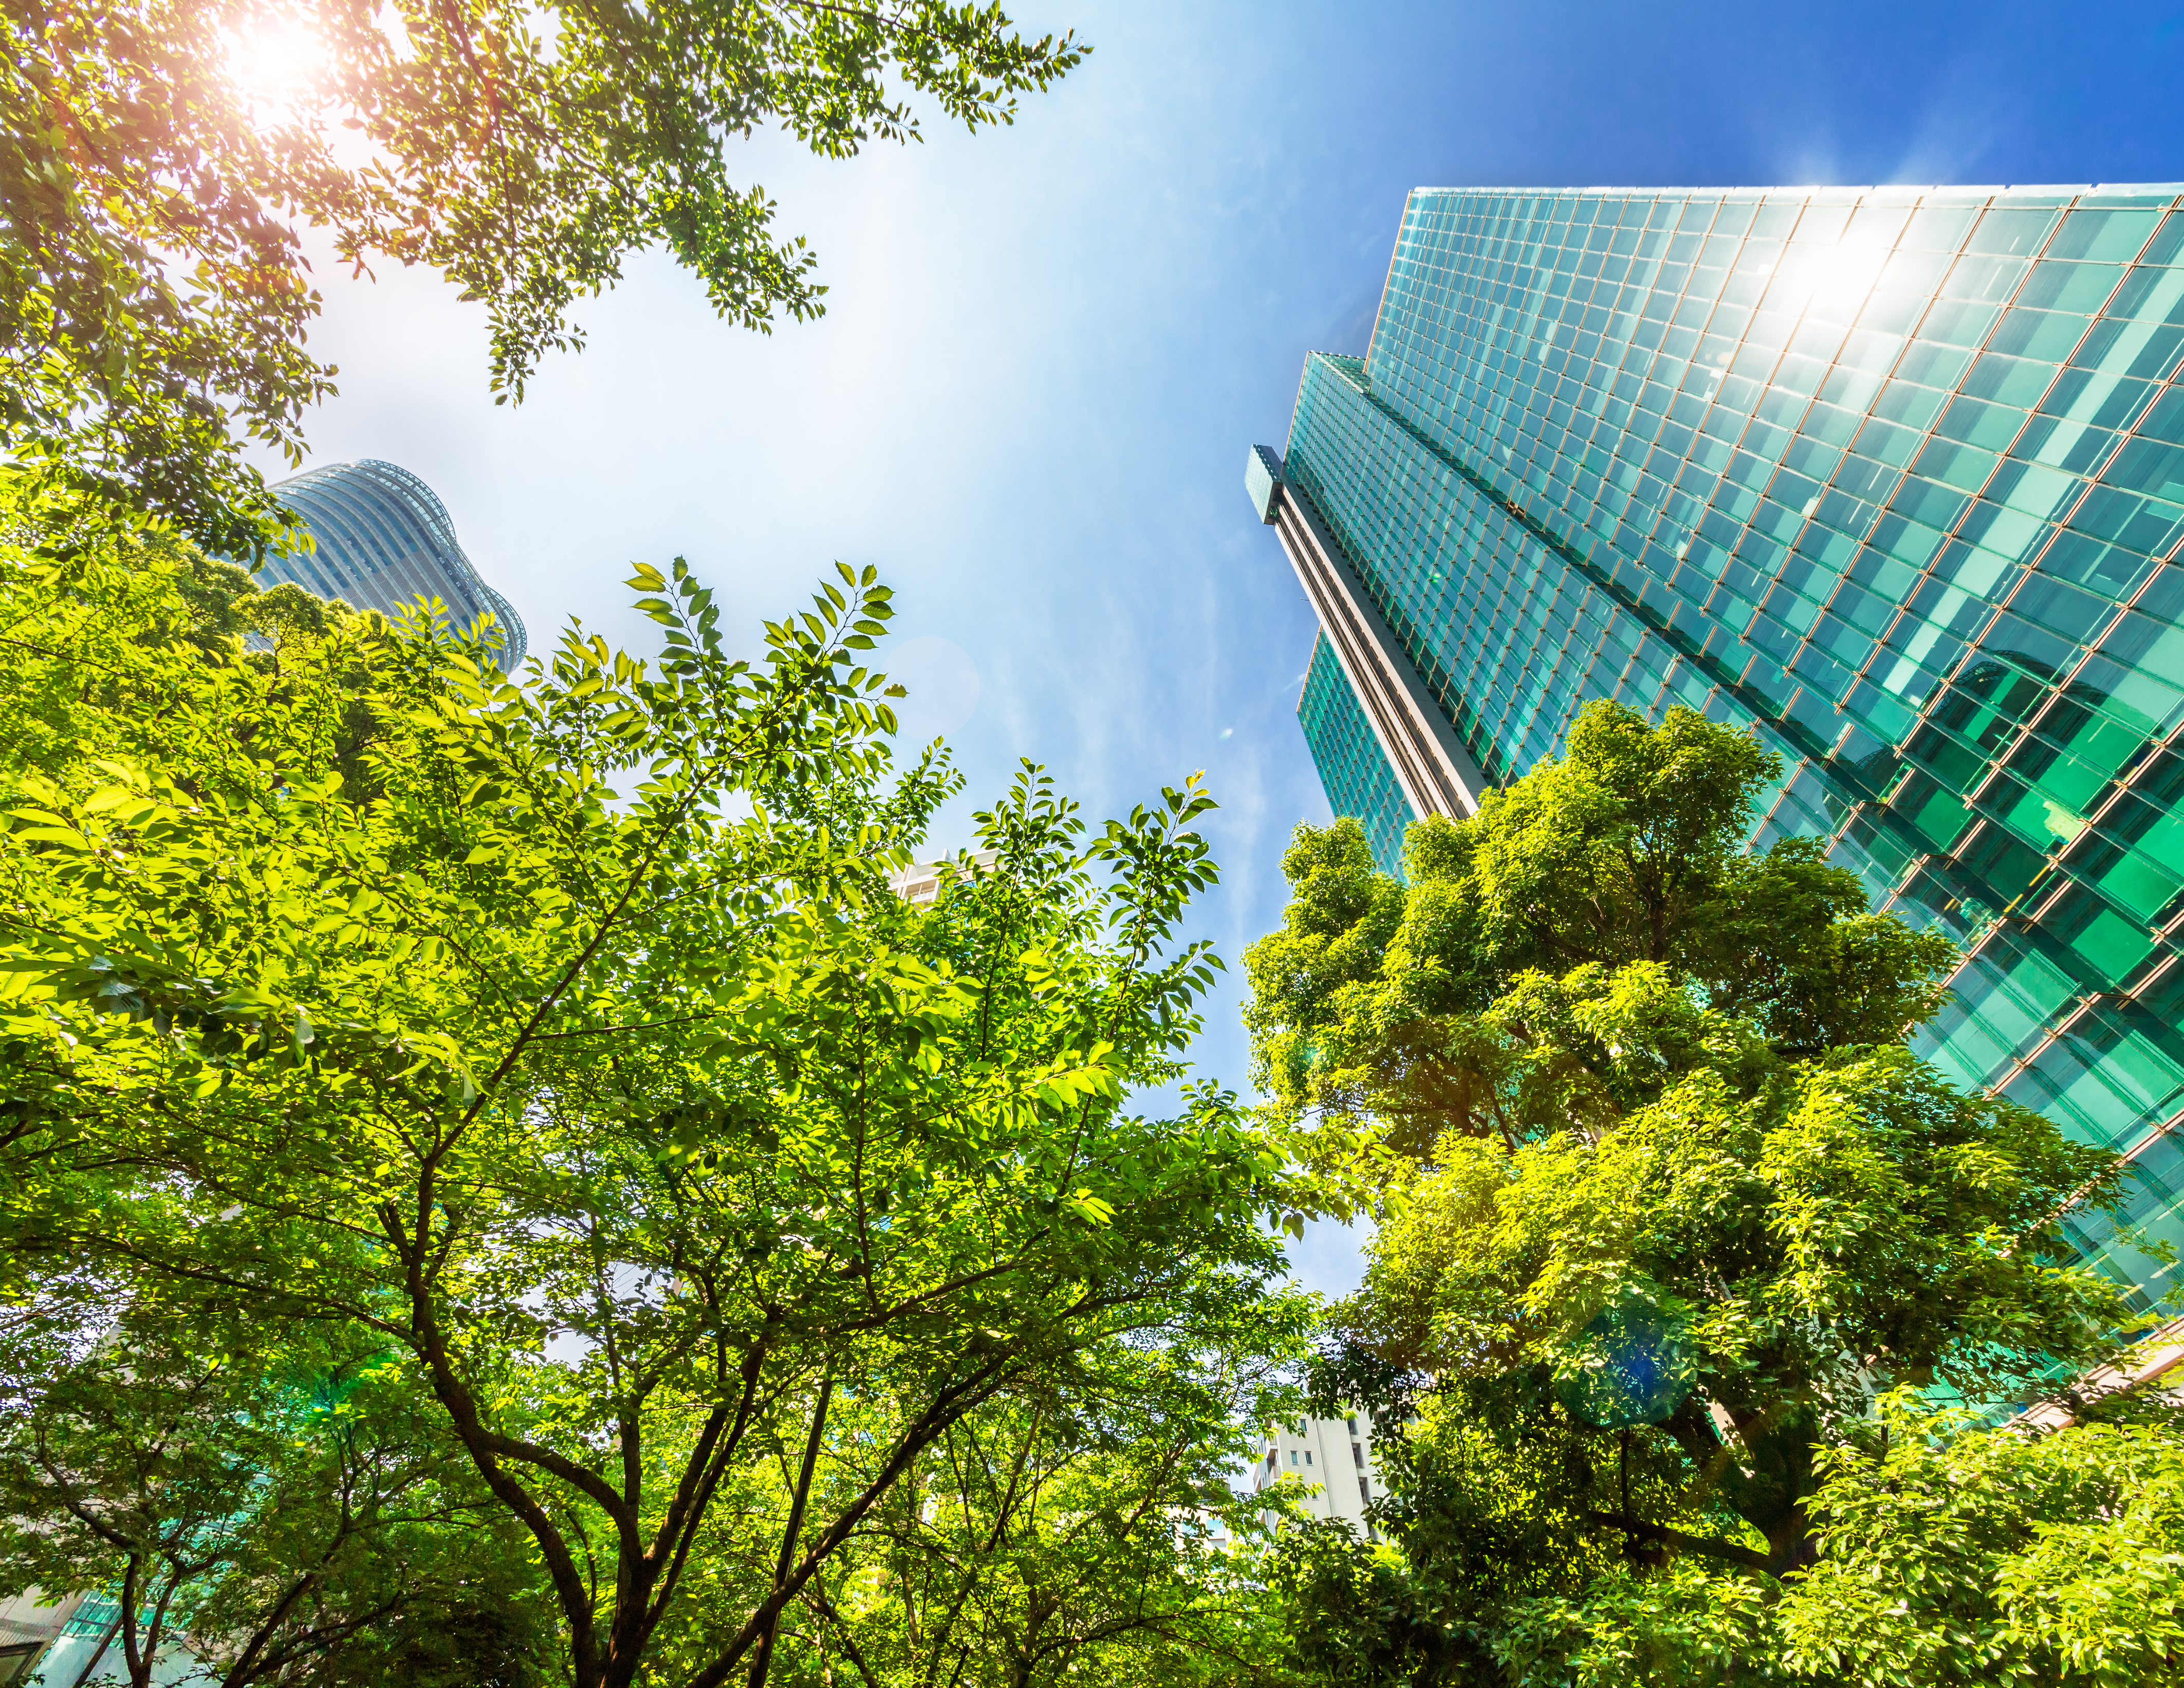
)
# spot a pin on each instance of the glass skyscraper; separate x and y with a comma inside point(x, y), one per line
point(383, 542)
point(1894, 476)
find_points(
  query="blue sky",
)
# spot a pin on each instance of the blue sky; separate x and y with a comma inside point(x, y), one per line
point(1048, 348)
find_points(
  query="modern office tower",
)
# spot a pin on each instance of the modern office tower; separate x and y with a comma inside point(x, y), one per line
point(1334, 1455)
point(1896, 476)
point(57, 1645)
point(385, 541)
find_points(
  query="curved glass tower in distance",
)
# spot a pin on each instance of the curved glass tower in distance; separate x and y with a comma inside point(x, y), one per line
point(384, 541)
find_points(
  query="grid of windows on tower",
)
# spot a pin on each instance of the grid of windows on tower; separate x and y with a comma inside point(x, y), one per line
point(382, 540)
point(1896, 476)
point(1356, 776)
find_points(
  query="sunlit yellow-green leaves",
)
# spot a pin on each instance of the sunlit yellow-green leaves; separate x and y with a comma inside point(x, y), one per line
point(1664, 1205)
point(561, 1035)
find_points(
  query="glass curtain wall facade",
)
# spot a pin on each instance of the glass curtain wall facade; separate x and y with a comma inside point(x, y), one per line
point(383, 542)
point(1349, 757)
point(1895, 477)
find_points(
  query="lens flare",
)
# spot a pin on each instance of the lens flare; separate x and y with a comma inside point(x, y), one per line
point(275, 64)
point(1633, 1363)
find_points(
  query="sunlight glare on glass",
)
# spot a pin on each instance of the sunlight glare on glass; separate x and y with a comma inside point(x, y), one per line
point(1833, 280)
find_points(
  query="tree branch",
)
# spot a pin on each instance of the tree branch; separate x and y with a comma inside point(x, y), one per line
point(949, 1407)
point(1727, 1551)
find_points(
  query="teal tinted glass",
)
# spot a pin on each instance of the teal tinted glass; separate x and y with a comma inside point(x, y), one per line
point(1351, 764)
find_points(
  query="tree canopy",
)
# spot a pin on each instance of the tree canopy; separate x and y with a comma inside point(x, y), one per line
point(160, 163)
point(275, 1507)
point(561, 1045)
point(1604, 896)
point(1666, 1212)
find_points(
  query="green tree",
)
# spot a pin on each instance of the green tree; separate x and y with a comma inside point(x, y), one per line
point(703, 1186)
point(1609, 883)
point(160, 162)
point(1664, 1205)
point(1086, 1532)
point(119, 640)
point(1956, 1555)
point(271, 1515)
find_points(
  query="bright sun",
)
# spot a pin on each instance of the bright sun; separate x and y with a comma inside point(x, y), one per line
point(275, 64)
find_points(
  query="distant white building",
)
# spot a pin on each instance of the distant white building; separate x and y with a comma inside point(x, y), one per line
point(1334, 1454)
point(919, 884)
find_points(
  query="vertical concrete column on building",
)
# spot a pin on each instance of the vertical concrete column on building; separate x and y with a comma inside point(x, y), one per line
point(1437, 775)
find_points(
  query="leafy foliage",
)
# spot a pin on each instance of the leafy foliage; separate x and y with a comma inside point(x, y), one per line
point(1604, 896)
point(281, 1516)
point(1665, 1206)
point(1073, 1535)
point(1998, 1556)
point(702, 1190)
point(1953, 1555)
point(157, 163)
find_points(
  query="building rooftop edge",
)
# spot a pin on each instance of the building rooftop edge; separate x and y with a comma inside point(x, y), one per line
point(1988, 188)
